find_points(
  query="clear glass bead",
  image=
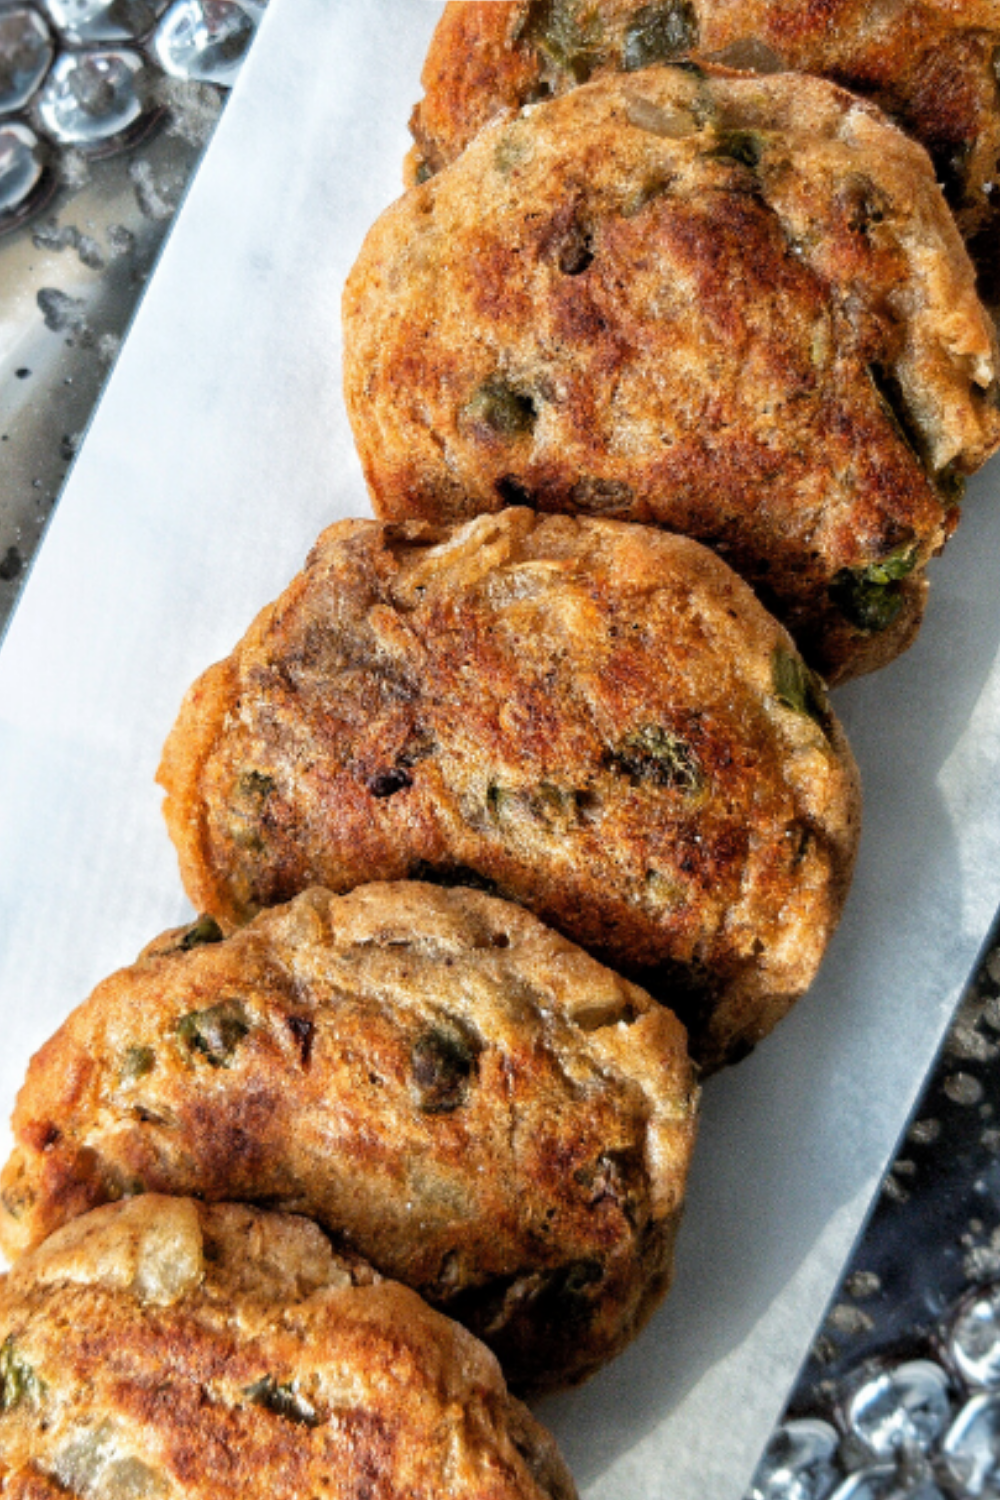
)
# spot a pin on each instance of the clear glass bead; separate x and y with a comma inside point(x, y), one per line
point(884, 1482)
point(205, 40)
point(85, 21)
point(26, 51)
point(799, 1463)
point(90, 97)
point(975, 1339)
point(22, 162)
point(907, 1407)
point(972, 1448)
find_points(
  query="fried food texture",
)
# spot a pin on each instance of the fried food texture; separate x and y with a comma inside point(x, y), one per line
point(930, 64)
point(162, 1349)
point(449, 1088)
point(594, 719)
point(733, 306)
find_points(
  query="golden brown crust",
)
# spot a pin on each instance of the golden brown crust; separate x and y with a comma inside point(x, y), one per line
point(733, 306)
point(931, 64)
point(273, 1368)
point(588, 715)
point(448, 1087)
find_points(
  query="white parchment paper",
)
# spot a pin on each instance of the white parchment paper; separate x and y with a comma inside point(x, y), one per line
point(218, 453)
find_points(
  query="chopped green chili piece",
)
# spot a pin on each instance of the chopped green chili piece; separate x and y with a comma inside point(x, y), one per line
point(502, 408)
point(602, 494)
point(658, 33)
point(496, 796)
point(137, 1062)
point(554, 806)
point(870, 598)
point(215, 1033)
point(951, 486)
point(659, 756)
point(796, 686)
point(205, 930)
point(889, 569)
point(569, 32)
point(18, 1381)
point(743, 146)
point(256, 784)
point(442, 1062)
point(645, 193)
point(513, 149)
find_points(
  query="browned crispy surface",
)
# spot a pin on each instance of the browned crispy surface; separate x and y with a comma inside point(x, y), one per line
point(598, 719)
point(929, 63)
point(733, 306)
point(165, 1349)
point(448, 1087)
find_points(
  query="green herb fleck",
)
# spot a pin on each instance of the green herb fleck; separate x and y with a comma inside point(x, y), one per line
point(502, 408)
point(743, 146)
point(950, 485)
point(137, 1062)
point(215, 1033)
point(284, 1400)
point(18, 1381)
point(569, 32)
point(556, 807)
point(513, 149)
point(205, 930)
point(658, 33)
point(890, 569)
point(496, 796)
point(442, 1062)
point(249, 806)
point(660, 757)
point(602, 495)
point(797, 687)
point(17, 1200)
point(645, 193)
point(871, 598)
point(256, 784)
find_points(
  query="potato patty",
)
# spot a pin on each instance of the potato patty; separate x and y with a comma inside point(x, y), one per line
point(931, 64)
point(449, 1088)
point(163, 1349)
point(733, 306)
point(597, 720)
